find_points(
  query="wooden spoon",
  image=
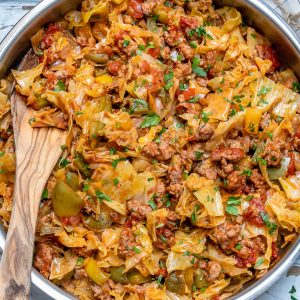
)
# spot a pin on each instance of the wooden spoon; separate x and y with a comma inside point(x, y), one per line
point(37, 151)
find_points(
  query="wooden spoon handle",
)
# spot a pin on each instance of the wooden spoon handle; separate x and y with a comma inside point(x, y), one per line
point(15, 267)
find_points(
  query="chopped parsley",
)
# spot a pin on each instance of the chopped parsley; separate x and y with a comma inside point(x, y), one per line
point(136, 249)
point(150, 120)
point(198, 154)
point(45, 194)
point(270, 225)
point(150, 179)
point(232, 113)
point(296, 87)
point(196, 69)
point(80, 261)
point(261, 161)
point(64, 162)
point(238, 246)
point(31, 120)
point(204, 116)
point(142, 47)
point(201, 32)
point(60, 87)
point(193, 215)
point(101, 196)
point(116, 161)
point(2, 153)
point(126, 43)
point(86, 187)
point(231, 204)
point(259, 262)
point(159, 279)
point(163, 239)
point(263, 91)
point(152, 204)
point(168, 80)
point(116, 181)
point(138, 105)
point(193, 44)
point(270, 135)
point(247, 172)
point(251, 127)
point(112, 151)
point(183, 86)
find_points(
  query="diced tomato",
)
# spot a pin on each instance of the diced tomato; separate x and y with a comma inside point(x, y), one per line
point(188, 22)
point(119, 35)
point(74, 220)
point(108, 50)
point(292, 167)
point(267, 52)
point(48, 35)
point(135, 9)
point(253, 212)
point(157, 80)
point(114, 66)
point(145, 66)
point(297, 134)
point(52, 28)
point(154, 52)
point(163, 272)
point(250, 260)
point(189, 94)
point(275, 251)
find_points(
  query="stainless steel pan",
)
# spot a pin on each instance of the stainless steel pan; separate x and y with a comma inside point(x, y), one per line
point(259, 14)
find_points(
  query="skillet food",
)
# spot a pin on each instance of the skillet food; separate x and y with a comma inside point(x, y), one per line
point(180, 178)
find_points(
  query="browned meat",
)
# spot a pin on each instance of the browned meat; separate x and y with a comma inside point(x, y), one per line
point(83, 252)
point(163, 150)
point(227, 235)
point(165, 238)
point(166, 149)
point(187, 51)
point(202, 5)
point(175, 189)
point(225, 168)
point(254, 210)
point(193, 152)
point(236, 182)
point(207, 169)
point(213, 270)
point(165, 53)
point(273, 152)
point(148, 6)
point(126, 243)
point(203, 134)
point(151, 149)
point(209, 60)
point(258, 180)
point(232, 154)
point(175, 169)
point(101, 292)
point(138, 209)
point(173, 36)
point(248, 245)
point(43, 258)
point(182, 70)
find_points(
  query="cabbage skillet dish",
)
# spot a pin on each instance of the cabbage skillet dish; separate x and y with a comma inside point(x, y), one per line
point(180, 178)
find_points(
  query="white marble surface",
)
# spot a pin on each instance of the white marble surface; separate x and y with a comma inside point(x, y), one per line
point(12, 11)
